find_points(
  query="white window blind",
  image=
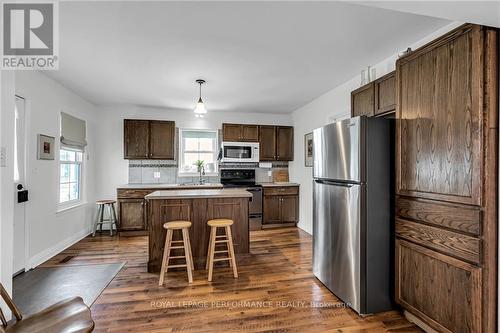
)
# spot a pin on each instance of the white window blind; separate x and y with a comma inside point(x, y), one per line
point(73, 131)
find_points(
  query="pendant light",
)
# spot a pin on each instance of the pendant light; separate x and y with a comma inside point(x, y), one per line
point(200, 110)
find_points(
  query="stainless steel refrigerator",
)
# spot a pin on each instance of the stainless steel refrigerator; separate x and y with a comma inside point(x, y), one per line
point(351, 211)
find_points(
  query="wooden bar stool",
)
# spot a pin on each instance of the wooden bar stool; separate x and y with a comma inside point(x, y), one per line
point(100, 220)
point(185, 245)
point(214, 240)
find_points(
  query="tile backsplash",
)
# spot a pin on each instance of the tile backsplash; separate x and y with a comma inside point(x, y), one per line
point(165, 172)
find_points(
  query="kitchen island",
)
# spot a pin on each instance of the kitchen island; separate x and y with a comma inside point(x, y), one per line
point(197, 206)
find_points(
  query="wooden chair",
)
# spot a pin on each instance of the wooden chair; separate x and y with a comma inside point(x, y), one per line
point(227, 238)
point(185, 244)
point(70, 315)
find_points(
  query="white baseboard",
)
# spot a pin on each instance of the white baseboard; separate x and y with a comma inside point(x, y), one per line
point(58, 248)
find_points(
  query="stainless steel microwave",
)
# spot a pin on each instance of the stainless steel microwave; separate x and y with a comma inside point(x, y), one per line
point(240, 152)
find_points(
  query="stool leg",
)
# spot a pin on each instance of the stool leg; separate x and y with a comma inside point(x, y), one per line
point(166, 254)
point(101, 219)
point(189, 263)
point(209, 248)
point(115, 219)
point(211, 254)
point(110, 219)
point(96, 221)
point(190, 251)
point(231, 250)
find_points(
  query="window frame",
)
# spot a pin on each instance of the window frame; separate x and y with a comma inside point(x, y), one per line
point(75, 202)
point(182, 152)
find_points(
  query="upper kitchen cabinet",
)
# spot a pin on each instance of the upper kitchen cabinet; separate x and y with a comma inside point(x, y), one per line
point(149, 139)
point(267, 140)
point(284, 143)
point(136, 139)
point(162, 140)
point(363, 101)
point(385, 94)
point(240, 132)
point(377, 98)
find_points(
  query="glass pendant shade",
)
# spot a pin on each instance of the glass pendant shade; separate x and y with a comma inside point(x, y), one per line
point(200, 107)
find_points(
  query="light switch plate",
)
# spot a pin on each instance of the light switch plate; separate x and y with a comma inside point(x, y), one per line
point(3, 157)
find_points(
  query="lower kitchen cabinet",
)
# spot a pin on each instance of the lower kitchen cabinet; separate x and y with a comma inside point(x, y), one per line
point(132, 215)
point(281, 206)
point(444, 291)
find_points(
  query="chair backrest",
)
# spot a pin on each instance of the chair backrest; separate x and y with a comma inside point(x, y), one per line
point(15, 311)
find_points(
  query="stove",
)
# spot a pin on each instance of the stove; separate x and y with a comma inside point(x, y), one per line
point(245, 178)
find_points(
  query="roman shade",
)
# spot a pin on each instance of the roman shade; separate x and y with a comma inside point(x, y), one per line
point(73, 131)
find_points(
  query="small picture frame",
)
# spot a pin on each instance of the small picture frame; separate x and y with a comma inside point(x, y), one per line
point(46, 147)
point(308, 149)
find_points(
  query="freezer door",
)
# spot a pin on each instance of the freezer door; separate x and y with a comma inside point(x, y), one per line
point(337, 150)
point(336, 239)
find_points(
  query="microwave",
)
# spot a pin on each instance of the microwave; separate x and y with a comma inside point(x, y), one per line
point(240, 152)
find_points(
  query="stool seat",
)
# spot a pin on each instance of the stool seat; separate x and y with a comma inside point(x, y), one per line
point(220, 222)
point(105, 202)
point(174, 225)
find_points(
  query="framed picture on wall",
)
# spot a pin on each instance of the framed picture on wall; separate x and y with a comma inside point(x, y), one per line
point(308, 148)
point(46, 146)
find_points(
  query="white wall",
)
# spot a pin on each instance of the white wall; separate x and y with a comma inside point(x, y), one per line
point(6, 181)
point(328, 107)
point(50, 231)
point(113, 169)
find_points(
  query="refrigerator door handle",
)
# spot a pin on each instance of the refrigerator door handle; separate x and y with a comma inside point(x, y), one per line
point(331, 182)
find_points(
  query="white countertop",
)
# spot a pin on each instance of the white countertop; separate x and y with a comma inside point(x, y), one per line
point(170, 186)
point(278, 184)
point(199, 193)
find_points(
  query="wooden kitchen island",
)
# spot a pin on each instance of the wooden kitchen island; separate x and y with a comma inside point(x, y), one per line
point(197, 206)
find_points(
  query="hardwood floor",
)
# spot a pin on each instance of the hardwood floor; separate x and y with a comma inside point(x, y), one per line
point(273, 293)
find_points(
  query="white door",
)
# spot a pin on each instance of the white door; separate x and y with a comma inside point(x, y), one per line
point(19, 263)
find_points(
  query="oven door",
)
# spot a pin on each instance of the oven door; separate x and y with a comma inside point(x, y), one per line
point(240, 152)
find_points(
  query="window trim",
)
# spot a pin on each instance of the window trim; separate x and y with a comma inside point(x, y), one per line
point(181, 153)
point(63, 206)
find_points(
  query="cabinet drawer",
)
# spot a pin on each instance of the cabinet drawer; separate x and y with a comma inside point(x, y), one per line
point(449, 242)
point(285, 190)
point(445, 292)
point(457, 217)
point(133, 194)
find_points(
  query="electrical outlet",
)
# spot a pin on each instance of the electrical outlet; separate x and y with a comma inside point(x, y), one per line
point(270, 173)
point(3, 157)
point(156, 174)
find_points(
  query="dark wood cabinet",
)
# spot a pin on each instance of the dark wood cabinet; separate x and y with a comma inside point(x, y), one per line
point(446, 180)
point(284, 143)
point(132, 215)
point(280, 206)
point(149, 139)
point(162, 140)
point(267, 140)
point(136, 139)
point(240, 132)
point(385, 94)
point(363, 101)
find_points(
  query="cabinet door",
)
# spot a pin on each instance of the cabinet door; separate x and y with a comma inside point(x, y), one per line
point(284, 143)
point(443, 290)
point(232, 132)
point(272, 209)
point(289, 209)
point(439, 123)
point(363, 101)
point(162, 140)
point(385, 94)
point(267, 140)
point(131, 214)
point(136, 139)
point(250, 133)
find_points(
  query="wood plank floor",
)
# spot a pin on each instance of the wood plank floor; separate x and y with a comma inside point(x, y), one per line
point(275, 291)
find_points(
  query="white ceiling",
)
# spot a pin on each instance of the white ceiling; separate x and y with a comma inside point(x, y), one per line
point(256, 57)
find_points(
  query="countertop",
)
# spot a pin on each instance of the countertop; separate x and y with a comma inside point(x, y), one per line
point(277, 184)
point(199, 194)
point(169, 186)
